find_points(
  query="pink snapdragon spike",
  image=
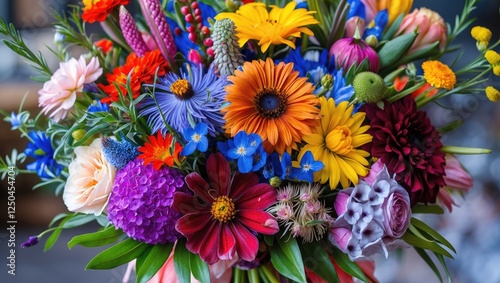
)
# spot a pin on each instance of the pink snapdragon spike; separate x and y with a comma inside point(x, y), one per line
point(160, 30)
point(430, 26)
point(353, 51)
point(131, 33)
point(222, 217)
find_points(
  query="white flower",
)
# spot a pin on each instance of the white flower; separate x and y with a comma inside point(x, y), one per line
point(59, 94)
point(90, 180)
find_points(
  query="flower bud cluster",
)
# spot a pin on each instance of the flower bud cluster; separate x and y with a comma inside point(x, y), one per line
point(226, 51)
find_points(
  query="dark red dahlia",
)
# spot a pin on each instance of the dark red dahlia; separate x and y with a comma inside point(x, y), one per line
point(408, 144)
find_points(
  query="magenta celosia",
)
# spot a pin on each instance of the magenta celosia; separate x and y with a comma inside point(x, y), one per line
point(221, 219)
point(408, 144)
point(131, 33)
point(155, 18)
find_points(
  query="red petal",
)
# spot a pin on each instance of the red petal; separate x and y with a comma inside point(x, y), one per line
point(241, 182)
point(210, 246)
point(258, 221)
point(219, 173)
point(258, 197)
point(185, 203)
point(195, 240)
point(247, 244)
point(227, 244)
point(199, 186)
point(191, 223)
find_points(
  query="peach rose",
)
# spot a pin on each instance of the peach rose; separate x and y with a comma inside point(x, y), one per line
point(90, 180)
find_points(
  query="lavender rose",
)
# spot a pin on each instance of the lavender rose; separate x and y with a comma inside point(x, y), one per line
point(396, 208)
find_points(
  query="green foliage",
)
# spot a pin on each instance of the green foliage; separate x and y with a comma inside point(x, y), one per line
point(187, 263)
point(117, 255)
point(347, 265)
point(151, 260)
point(287, 259)
point(318, 261)
point(102, 237)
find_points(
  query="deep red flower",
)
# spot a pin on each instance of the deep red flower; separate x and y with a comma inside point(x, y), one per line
point(222, 217)
point(408, 144)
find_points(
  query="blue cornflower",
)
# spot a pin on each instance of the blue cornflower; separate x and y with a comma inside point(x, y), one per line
point(242, 148)
point(196, 138)
point(97, 106)
point(118, 153)
point(192, 96)
point(313, 65)
point(341, 91)
point(307, 168)
point(356, 8)
point(376, 28)
point(41, 149)
point(16, 120)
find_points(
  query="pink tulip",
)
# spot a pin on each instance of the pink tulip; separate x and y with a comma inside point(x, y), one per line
point(195, 57)
point(456, 178)
point(352, 24)
point(352, 51)
point(430, 26)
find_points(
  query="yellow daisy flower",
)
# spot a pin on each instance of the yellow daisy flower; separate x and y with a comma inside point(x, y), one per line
point(279, 26)
point(439, 75)
point(336, 142)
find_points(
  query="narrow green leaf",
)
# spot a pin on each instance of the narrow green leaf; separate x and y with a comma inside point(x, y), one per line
point(57, 218)
point(424, 227)
point(464, 150)
point(443, 263)
point(52, 239)
point(424, 244)
point(423, 254)
point(78, 220)
point(348, 266)
point(317, 260)
point(106, 236)
point(182, 262)
point(199, 268)
point(117, 255)
point(287, 259)
point(152, 262)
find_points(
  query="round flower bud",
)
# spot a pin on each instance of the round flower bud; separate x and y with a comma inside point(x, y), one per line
point(496, 70)
point(492, 57)
point(369, 87)
point(492, 93)
point(275, 182)
point(327, 81)
point(480, 33)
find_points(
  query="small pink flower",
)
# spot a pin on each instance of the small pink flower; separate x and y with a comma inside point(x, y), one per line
point(456, 179)
point(59, 94)
point(195, 57)
point(429, 25)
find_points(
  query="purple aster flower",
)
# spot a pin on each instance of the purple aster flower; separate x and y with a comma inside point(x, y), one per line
point(141, 202)
point(192, 96)
point(40, 148)
point(98, 106)
point(196, 138)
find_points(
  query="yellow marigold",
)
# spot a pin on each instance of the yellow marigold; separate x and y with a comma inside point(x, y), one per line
point(492, 57)
point(481, 34)
point(496, 70)
point(439, 75)
point(492, 93)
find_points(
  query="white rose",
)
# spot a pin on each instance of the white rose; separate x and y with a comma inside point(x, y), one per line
point(90, 180)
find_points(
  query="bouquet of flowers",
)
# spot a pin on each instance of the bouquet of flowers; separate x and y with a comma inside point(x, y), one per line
point(249, 141)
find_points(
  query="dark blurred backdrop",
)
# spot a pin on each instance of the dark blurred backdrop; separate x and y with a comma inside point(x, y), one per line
point(473, 228)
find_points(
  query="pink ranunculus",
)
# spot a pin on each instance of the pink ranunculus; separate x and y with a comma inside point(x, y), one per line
point(397, 212)
point(59, 94)
point(429, 25)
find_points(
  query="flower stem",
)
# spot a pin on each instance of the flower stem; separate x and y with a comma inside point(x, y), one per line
point(269, 274)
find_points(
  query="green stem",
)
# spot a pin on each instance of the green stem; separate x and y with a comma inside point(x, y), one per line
point(253, 275)
point(406, 92)
point(269, 274)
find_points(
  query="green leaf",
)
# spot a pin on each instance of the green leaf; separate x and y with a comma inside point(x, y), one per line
point(434, 209)
point(424, 227)
point(182, 262)
point(423, 254)
point(318, 261)
point(424, 244)
point(443, 263)
point(78, 220)
point(52, 239)
point(151, 261)
point(117, 255)
point(464, 150)
point(287, 259)
point(395, 49)
point(106, 236)
point(199, 268)
point(348, 266)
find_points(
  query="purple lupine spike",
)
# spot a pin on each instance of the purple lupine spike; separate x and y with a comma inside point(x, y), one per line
point(131, 33)
point(155, 18)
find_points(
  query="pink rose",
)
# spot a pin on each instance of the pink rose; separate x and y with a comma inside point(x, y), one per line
point(396, 209)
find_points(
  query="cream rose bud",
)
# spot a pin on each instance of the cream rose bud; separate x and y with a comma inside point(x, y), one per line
point(90, 180)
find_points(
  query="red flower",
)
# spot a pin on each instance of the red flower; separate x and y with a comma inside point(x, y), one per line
point(98, 10)
point(105, 45)
point(221, 218)
point(142, 71)
point(408, 144)
point(160, 151)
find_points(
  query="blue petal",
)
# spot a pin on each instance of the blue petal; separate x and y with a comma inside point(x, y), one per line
point(201, 129)
point(189, 148)
point(202, 146)
point(245, 164)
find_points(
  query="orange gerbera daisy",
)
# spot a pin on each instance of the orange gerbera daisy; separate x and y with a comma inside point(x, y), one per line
point(273, 102)
point(160, 150)
point(98, 10)
point(142, 71)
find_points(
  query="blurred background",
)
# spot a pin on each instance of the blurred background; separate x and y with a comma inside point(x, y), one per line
point(473, 227)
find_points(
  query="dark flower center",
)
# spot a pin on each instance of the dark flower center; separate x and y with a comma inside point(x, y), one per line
point(182, 89)
point(223, 209)
point(270, 103)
